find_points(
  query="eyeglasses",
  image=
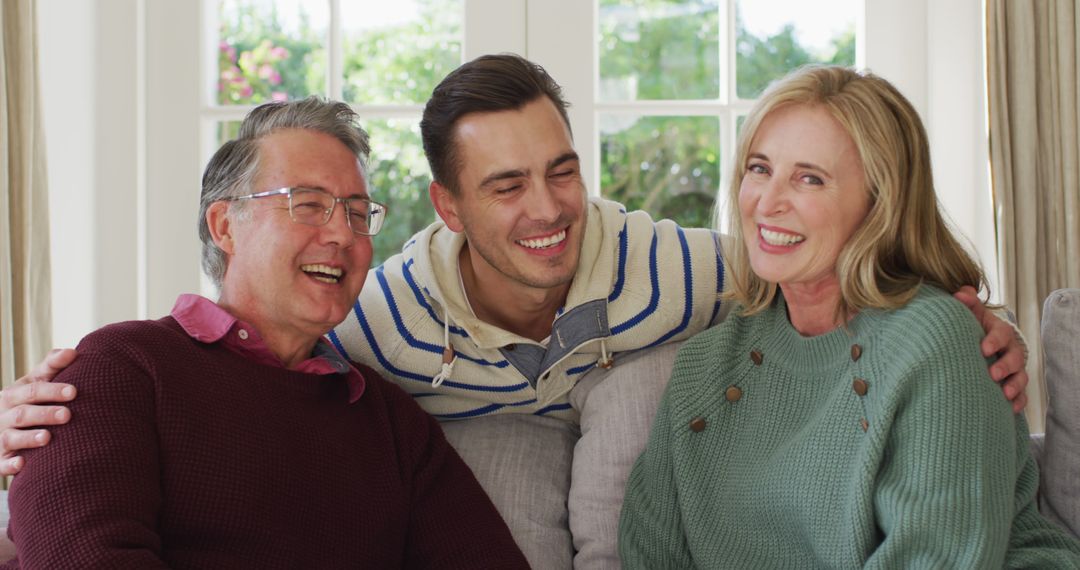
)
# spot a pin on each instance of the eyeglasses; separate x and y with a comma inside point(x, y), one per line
point(314, 207)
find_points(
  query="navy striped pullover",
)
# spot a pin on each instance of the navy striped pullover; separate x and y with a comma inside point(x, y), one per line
point(639, 283)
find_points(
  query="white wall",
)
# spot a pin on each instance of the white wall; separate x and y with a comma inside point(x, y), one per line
point(67, 47)
point(933, 52)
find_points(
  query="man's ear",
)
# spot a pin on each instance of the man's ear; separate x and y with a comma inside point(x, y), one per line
point(221, 226)
point(445, 204)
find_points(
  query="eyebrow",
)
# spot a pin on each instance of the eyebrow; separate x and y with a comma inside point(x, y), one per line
point(563, 159)
point(505, 174)
point(522, 173)
point(809, 165)
point(365, 195)
point(813, 166)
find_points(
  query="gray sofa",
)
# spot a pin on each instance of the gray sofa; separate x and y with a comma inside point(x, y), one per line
point(560, 486)
point(1058, 451)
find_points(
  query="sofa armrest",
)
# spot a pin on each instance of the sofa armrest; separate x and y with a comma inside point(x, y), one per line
point(1059, 487)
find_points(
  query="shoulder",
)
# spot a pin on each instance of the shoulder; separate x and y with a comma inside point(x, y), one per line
point(927, 353)
point(718, 349)
point(933, 322)
point(639, 226)
point(133, 336)
point(124, 356)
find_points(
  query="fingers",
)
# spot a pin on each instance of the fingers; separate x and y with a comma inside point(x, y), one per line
point(26, 415)
point(1001, 337)
point(11, 465)
point(1020, 403)
point(969, 297)
point(33, 393)
point(1014, 385)
point(1009, 363)
point(57, 360)
point(12, 440)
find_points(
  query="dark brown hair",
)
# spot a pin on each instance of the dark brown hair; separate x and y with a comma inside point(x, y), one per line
point(502, 82)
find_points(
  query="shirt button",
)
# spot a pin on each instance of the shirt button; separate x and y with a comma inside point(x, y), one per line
point(545, 376)
point(856, 352)
point(757, 357)
point(860, 386)
point(733, 393)
point(697, 425)
point(243, 334)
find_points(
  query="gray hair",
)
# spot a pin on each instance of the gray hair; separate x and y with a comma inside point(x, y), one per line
point(231, 171)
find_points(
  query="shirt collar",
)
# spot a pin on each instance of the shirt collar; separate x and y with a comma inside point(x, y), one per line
point(207, 322)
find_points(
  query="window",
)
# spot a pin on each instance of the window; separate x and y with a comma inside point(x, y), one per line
point(674, 78)
point(170, 113)
point(382, 58)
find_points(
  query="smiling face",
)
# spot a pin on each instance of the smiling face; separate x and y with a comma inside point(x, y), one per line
point(802, 197)
point(284, 275)
point(520, 198)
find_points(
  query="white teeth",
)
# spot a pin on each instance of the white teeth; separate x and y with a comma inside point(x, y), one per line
point(780, 238)
point(323, 273)
point(543, 242)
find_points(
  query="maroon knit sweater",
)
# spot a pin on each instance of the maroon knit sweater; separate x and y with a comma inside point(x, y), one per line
point(185, 455)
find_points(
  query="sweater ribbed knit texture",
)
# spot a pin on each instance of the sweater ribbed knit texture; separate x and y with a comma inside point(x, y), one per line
point(778, 472)
point(184, 455)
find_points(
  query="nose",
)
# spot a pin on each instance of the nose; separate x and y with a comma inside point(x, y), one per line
point(544, 205)
point(337, 229)
point(772, 197)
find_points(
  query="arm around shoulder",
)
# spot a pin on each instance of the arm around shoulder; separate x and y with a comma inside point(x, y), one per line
point(90, 498)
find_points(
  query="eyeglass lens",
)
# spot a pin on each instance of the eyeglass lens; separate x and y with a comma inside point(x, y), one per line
point(314, 207)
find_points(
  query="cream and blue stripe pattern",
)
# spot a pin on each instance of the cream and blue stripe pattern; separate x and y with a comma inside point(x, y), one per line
point(639, 284)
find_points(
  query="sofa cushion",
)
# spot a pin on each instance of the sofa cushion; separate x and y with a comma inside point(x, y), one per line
point(523, 462)
point(1060, 485)
point(617, 408)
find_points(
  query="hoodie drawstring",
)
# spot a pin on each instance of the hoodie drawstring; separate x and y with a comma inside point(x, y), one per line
point(605, 361)
point(448, 355)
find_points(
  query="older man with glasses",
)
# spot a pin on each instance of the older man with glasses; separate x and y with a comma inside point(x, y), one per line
point(230, 434)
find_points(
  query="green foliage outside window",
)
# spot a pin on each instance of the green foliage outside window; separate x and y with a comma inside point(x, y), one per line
point(670, 166)
point(259, 61)
point(668, 50)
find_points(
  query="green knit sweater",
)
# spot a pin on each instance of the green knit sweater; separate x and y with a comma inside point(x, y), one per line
point(885, 445)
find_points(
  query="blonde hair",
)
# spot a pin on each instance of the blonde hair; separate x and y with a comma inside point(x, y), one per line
point(903, 241)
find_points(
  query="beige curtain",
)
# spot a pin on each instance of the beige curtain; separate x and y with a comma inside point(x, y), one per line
point(1032, 76)
point(25, 319)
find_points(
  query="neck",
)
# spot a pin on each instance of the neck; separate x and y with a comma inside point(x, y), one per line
point(509, 305)
point(291, 346)
point(813, 307)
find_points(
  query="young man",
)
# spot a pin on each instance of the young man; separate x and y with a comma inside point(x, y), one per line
point(503, 307)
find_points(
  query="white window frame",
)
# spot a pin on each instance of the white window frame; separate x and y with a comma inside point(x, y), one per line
point(190, 115)
point(125, 158)
point(932, 51)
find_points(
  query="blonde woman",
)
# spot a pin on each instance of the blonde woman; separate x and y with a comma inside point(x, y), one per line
point(843, 417)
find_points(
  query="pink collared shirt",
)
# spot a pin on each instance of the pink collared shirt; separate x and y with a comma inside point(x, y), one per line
point(205, 321)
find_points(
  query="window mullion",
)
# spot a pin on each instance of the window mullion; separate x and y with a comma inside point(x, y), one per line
point(335, 53)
